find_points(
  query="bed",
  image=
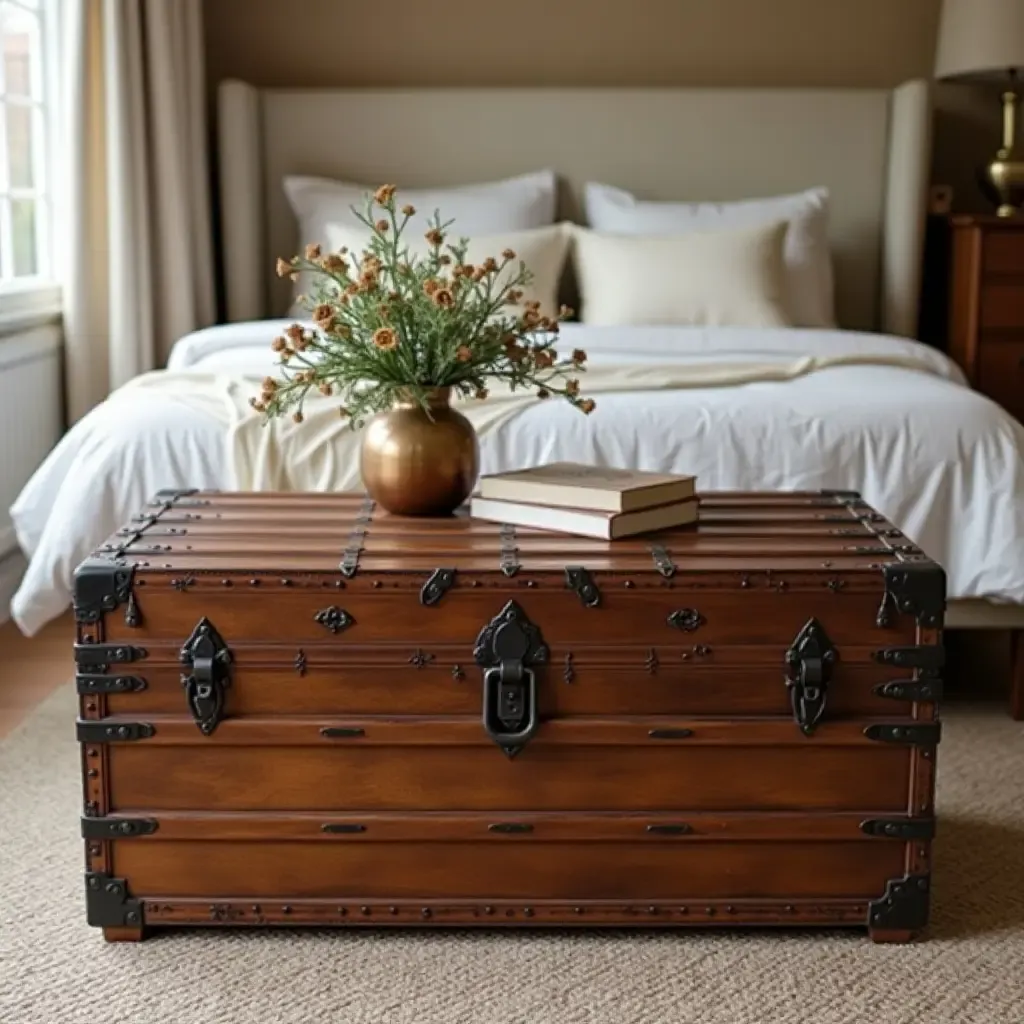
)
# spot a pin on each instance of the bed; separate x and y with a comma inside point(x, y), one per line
point(938, 459)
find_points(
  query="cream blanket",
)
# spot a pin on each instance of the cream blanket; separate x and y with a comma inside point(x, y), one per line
point(322, 453)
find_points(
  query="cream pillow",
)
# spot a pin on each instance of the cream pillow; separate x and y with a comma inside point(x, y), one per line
point(543, 250)
point(734, 278)
point(807, 253)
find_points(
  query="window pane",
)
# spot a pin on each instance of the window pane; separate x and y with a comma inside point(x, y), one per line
point(23, 237)
point(20, 50)
point(19, 145)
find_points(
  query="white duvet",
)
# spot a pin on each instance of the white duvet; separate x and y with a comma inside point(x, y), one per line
point(943, 462)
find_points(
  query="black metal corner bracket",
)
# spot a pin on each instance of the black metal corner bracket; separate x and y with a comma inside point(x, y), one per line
point(579, 580)
point(924, 689)
point(101, 656)
point(87, 683)
point(118, 828)
point(903, 907)
point(919, 589)
point(207, 659)
point(439, 583)
point(809, 664)
point(103, 585)
point(108, 904)
point(506, 649)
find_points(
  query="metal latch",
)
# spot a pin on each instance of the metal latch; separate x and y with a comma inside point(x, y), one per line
point(506, 648)
point(809, 664)
point(209, 659)
point(578, 579)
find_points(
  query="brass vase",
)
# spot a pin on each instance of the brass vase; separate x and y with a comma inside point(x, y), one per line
point(414, 464)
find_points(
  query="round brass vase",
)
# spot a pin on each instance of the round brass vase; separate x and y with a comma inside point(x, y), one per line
point(418, 465)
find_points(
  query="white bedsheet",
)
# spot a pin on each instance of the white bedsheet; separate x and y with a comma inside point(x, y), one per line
point(941, 461)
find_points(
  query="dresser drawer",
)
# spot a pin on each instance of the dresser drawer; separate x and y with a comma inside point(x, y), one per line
point(1002, 306)
point(1001, 374)
point(1004, 252)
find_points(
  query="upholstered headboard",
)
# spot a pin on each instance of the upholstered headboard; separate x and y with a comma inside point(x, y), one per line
point(870, 147)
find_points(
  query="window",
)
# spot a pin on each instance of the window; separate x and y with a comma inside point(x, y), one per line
point(26, 208)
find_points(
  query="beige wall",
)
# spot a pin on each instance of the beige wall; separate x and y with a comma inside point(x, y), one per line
point(600, 42)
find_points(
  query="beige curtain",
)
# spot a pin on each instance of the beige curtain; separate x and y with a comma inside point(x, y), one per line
point(135, 219)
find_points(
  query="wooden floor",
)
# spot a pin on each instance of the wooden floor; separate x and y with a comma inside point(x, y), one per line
point(30, 670)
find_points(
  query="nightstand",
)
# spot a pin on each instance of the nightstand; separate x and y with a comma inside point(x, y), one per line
point(986, 325)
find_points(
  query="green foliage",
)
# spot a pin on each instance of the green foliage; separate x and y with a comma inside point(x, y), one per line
point(391, 324)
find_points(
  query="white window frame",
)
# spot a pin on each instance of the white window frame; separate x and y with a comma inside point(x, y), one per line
point(32, 300)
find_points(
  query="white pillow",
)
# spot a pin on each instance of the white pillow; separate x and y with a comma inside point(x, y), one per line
point(810, 288)
point(514, 204)
point(721, 278)
point(543, 250)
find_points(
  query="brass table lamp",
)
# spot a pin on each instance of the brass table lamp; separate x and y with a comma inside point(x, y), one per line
point(983, 40)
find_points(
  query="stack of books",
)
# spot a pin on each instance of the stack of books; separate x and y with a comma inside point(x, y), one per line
point(592, 501)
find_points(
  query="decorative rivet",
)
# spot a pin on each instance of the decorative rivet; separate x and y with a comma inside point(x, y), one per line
point(730, 909)
point(577, 910)
point(392, 911)
point(131, 917)
point(652, 910)
point(340, 584)
point(685, 656)
point(528, 911)
point(377, 584)
point(343, 911)
point(91, 706)
point(254, 583)
point(629, 584)
point(93, 752)
point(286, 909)
point(684, 910)
point(286, 583)
point(790, 909)
point(365, 911)
point(531, 583)
point(488, 910)
point(475, 583)
point(256, 909)
point(426, 912)
point(92, 773)
point(711, 911)
point(226, 583)
point(744, 582)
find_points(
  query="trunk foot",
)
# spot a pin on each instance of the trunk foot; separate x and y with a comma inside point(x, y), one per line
point(1017, 674)
point(891, 935)
point(125, 934)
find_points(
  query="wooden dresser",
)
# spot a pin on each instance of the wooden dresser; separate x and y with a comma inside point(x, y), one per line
point(986, 329)
point(296, 709)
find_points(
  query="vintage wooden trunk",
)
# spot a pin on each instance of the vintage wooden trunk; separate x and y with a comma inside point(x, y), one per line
point(298, 710)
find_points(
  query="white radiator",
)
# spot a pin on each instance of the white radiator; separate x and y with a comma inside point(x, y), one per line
point(31, 423)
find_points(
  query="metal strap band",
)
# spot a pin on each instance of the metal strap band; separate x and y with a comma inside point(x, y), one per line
point(662, 561)
point(354, 548)
point(509, 551)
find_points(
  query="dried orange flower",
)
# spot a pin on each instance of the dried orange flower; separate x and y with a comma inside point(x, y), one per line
point(508, 254)
point(533, 304)
point(384, 194)
point(543, 393)
point(298, 417)
point(481, 394)
point(543, 359)
point(408, 210)
point(279, 344)
point(444, 298)
point(367, 281)
point(326, 389)
point(531, 318)
point(352, 289)
point(269, 384)
point(294, 333)
point(284, 268)
point(334, 264)
point(588, 405)
point(579, 357)
point(490, 265)
point(430, 286)
point(385, 338)
point(572, 387)
point(382, 226)
point(323, 313)
point(565, 312)
point(464, 353)
point(435, 237)
point(312, 251)
point(444, 260)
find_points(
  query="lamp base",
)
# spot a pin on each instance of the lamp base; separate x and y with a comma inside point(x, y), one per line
point(1002, 181)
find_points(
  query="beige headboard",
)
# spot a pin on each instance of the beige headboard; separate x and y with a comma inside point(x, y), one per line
point(870, 147)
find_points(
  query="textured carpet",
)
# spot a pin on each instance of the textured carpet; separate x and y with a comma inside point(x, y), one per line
point(56, 970)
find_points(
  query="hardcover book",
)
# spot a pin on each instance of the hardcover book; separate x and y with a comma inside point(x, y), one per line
point(586, 522)
point(598, 488)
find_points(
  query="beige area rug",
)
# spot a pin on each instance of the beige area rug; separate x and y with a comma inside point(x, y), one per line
point(54, 969)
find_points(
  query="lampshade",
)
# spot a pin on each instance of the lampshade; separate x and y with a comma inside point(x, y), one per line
point(980, 39)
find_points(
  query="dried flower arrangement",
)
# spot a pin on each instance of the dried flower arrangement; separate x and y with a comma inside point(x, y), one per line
point(390, 324)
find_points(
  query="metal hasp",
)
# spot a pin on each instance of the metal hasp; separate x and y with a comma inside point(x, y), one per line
point(578, 579)
point(904, 907)
point(686, 619)
point(439, 583)
point(918, 589)
point(87, 683)
point(102, 656)
point(103, 585)
point(808, 669)
point(506, 648)
point(209, 659)
point(107, 903)
point(915, 734)
point(104, 731)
